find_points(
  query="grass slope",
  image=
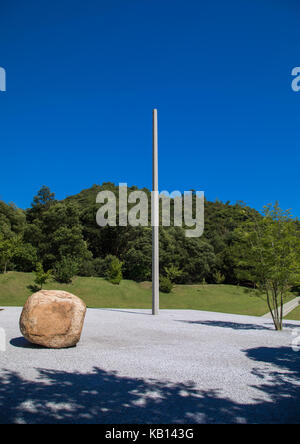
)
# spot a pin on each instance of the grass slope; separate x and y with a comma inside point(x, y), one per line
point(97, 292)
point(294, 315)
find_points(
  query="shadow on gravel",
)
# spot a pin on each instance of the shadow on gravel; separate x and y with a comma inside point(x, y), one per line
point(281, 383)
point(127, 311)
point(232, 325)
point(105, 397)
point(23, 343)
point(239, 326)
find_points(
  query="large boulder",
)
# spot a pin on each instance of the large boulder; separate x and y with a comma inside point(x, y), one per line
point(53, 319)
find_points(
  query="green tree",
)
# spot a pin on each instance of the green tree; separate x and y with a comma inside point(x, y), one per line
point(219, 277)
point(165, 284)
point(138, 257)
point(267, 253)
point(8, 248)
point(41, 277)
point(25, 257)
point(114, 271)
point(12, 220)
point(41, 203)
point(57, 233)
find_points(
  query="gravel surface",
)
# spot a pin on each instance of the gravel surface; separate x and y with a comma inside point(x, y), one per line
point(183, 366)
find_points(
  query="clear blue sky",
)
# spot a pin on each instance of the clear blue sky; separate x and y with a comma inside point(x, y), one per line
point(83, 77)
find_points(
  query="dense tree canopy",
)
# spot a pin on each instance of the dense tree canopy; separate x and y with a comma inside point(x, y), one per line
point(54, 232)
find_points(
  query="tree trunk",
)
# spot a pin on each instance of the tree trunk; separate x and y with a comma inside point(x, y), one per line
point(270, 307)
point(281, 310)
point(274, 310)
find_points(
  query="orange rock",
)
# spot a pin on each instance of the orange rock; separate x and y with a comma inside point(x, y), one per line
point(53, 318)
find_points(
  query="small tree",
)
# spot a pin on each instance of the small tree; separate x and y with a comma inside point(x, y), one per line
point(165, 284)
point(41, 277)
point(267, 252)
point(219, 278)
point(114, 271)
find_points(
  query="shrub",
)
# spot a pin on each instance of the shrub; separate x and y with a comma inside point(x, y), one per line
point(114, 270)
point(173, 273)
point(165, 284)
point(219, 278)
point(100, 267)
point(87, 268)
point(65, 270)
point(41, 277)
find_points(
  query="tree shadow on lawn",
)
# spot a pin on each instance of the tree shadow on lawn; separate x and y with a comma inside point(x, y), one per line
point(238, 325)
point(107, 398)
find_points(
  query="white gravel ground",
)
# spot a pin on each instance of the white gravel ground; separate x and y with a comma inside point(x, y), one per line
point(183, 366)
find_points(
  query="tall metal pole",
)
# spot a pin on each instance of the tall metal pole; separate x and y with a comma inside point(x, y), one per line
point(155, 222)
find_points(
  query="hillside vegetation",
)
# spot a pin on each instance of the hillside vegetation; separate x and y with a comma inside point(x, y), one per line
point(52, 230)
point(97, 292)
point(239, 246)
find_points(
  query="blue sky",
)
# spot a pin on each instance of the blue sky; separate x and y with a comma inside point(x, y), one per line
point(83, 77)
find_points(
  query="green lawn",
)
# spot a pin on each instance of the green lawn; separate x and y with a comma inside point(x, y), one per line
point(294, 315)
point(97, 292)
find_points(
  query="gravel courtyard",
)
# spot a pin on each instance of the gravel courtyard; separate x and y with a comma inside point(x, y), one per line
point(183, 366)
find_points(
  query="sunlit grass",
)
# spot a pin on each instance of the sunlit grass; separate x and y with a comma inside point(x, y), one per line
point(97, 292)
point(294, 314)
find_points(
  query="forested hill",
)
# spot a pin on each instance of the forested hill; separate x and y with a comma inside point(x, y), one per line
point(52, 230)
